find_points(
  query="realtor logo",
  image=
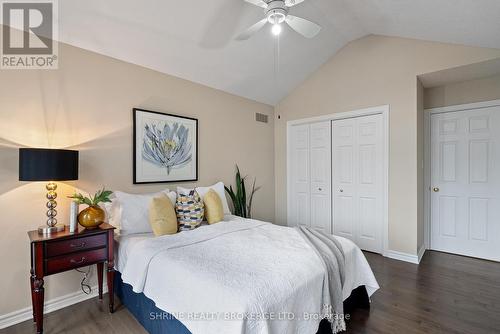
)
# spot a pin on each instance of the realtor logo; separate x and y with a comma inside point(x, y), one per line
point(28, 35)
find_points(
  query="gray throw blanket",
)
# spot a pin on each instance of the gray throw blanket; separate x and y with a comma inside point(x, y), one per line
point(330, 252)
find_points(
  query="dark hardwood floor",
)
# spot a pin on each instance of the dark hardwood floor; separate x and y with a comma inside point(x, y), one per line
point(444, 294)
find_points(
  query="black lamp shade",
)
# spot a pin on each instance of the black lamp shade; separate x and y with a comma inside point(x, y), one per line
point(38, 164)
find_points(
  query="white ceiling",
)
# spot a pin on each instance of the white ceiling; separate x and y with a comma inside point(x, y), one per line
point(194, 39)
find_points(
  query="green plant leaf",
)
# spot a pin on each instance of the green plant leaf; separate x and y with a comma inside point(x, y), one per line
point(239, 195)
point(254, 190)
point(101, 196)
point(232, 196)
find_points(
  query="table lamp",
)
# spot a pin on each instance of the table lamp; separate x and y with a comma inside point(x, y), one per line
point(37, 164)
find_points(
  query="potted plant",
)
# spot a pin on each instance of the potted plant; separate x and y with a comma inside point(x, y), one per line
point(242, 204)
point(94, 215)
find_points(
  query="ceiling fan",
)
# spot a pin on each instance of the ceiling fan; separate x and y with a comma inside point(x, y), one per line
point(276, 12)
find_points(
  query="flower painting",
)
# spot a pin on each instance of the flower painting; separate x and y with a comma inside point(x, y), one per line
point(165, 147)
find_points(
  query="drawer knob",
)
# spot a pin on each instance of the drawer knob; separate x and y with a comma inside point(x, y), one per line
point(79, 261)
point(77, 245)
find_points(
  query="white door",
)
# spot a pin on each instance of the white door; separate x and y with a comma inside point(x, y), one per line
point(299, 203)
point(465, 182)
point(358, 176)
point(320, 165)
point(310, 176)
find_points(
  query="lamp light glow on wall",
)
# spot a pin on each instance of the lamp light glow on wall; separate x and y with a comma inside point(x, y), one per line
point(37, 164)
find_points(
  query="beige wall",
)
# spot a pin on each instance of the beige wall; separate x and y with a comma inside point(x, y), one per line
point(87, 105)
point(463, 92)
point(371, 71)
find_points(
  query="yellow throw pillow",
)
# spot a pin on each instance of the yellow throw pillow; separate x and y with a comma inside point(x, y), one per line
point(162, 217)
point(214, 212)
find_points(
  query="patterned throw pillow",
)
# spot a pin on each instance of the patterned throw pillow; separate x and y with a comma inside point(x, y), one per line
point(190, 210)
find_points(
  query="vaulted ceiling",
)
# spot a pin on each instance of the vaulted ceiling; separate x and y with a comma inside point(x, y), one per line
point(194, 39)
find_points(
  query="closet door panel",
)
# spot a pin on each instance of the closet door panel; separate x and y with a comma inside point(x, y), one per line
point(369, 182)
point(357, 146)
point(320, 164)
point(343, 161)
point(300, 177)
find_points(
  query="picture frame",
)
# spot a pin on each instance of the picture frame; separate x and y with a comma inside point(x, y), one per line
point(165, 147)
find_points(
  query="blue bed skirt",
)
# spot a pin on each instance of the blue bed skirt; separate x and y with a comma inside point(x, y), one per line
point(157, 321)
point(154, 320)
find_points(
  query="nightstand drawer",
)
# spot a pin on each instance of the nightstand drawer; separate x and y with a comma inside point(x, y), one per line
point(56, 248)
point(75, 260)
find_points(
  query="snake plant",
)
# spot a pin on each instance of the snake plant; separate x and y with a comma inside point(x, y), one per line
point(242, 203)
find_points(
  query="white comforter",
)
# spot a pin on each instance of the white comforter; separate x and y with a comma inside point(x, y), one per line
point(238, 276)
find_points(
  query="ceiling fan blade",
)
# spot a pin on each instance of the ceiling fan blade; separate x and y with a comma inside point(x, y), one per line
point(304, 27)
point(291, 3)
point(252, 30)
point(259, 3)
point(220, 28)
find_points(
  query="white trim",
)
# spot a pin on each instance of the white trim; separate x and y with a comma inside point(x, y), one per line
point(406, 257)
point(341, 115)
point(427, 179)
point(461, 107)
point(421, 253)
point(384, 110)
point(52, 305)
point(428, 161)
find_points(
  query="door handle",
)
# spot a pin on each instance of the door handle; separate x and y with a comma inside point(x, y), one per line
point(341, 190)
point(319, 189)
point(435, 189)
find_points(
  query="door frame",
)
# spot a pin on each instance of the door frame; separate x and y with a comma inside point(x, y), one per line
point(427, 156)
point(384, 111)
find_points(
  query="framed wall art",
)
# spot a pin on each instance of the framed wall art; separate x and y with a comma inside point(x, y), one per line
point(165, 147)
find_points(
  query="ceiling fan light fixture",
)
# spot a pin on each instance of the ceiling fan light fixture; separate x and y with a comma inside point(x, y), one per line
point(276, 16)
point(276, 29)
point(276, 13)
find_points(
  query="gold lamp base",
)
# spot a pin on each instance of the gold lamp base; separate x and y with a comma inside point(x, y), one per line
point(50, 229)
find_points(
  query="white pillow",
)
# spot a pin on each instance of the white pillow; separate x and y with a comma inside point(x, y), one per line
point(219, 189)
point(133, 211)
point(113, 212)
point(185, 191)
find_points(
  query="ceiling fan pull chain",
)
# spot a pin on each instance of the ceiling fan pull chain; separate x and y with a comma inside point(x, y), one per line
point(276, 59)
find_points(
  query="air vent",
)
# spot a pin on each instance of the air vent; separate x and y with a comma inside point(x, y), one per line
point(261, 117)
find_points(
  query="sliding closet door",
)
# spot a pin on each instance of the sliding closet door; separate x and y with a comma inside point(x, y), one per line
point(320, 165)
point(358, 180)
point(299, 212)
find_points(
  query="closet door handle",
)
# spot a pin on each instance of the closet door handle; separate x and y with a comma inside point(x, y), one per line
point(319, 189)
point(341, 190)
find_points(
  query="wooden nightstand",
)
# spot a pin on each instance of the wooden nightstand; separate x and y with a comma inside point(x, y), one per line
point(63, 251)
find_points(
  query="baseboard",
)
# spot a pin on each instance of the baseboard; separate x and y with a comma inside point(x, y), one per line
point(421, 252)
point(411, 258)
point(52, 305)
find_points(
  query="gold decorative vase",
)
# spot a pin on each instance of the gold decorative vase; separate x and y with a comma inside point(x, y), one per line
point(91, 217)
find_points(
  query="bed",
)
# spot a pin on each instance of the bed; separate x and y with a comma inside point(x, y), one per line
point(237, 276)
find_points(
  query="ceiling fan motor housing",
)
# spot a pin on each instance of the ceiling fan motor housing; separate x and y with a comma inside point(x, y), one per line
point(276, 11)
